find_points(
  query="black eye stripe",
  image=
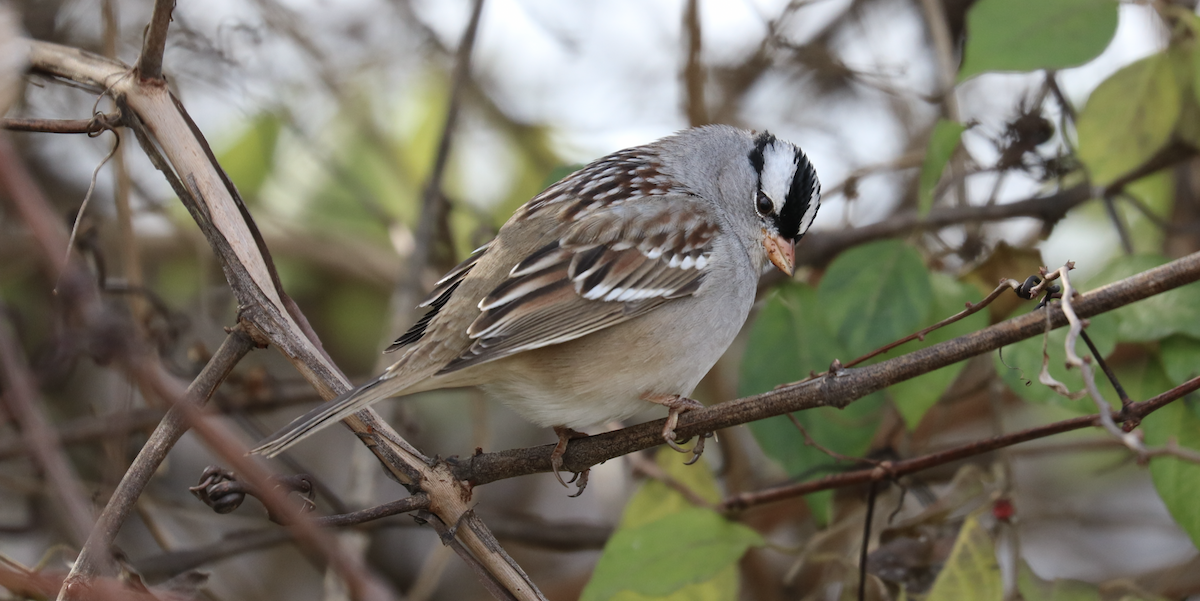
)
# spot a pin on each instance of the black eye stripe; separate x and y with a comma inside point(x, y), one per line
point(756, 155)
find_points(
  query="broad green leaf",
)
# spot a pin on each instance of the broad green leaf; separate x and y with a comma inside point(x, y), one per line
point(1129, 118)
point(1019, 364)
point(251, 158)
point(1180, 356)
point(655, 500)
point(788, 340)
point(684, 548)
point(1177, 481)
point(942, 143)
point(1026, 35)
point(1141, 376)
point(722, 587)
point(914, 397)
point(971, 573)
point(874, 294)
point(1035, 589)
point(1173, 312)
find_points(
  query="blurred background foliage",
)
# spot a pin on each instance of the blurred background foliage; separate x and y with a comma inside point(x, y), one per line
point(327, 116)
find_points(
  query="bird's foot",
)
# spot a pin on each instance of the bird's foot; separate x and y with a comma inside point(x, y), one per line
point(677, 405)
point(580, 479)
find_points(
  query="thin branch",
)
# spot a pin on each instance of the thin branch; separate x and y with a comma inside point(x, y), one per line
point(20, 396)
point(836, 391)
point(917, 464)
point(693, 71)
point(920, 335)
point(821, 247)
point(150, 61)
point(95, 557)
point(90, 127)
point(177, 147)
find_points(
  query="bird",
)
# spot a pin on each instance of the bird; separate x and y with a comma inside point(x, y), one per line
point(620, 285)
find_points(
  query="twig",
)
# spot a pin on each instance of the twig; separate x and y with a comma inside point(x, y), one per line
point(693, 71)
point(808, 440)
point(95, 558)
point(88, 196)
point(177, 147)
point(836, 391)
point(1118, 224)
point(917, 464)
point(821, 247)
point(1112, 376)
point(150, 61)
point(90, 127)
point(920, 335)
point(1131, 438)
point(20, 396)
point(651, 470)
point(449, 539)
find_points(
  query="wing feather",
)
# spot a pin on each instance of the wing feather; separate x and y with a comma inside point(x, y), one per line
point(607, 266)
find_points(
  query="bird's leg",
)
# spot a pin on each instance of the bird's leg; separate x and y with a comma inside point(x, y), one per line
point(565, 435)
point(676, 405)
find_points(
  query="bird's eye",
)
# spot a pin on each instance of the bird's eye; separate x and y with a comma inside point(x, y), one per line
point(764, 205)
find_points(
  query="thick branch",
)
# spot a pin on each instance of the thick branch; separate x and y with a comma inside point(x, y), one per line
point(1134, 412)
point(836, 391)
point(178, 148)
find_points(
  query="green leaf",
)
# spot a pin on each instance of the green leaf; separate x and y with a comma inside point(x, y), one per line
point(1035, 589)
point(1180, 356)
point(1019, 364)
point(653, 503)
point(788, 340)
point(722, 587)
point(1026, 35)
point(684, 548)
point(1129, 118)
point(914, 397)
point(1173, 312)
point(874, 294)
point(971, 573)
point(942, 143)
point(655, 500)
point(251, 158)
point(1177, 481)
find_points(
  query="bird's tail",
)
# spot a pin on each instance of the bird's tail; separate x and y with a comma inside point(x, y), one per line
point(333, 411)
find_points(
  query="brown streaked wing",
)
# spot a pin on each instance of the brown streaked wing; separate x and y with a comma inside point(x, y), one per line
point(610, 266)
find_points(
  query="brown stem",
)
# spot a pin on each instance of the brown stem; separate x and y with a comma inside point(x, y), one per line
point(693, 71)
point(53, 126)
point(908, 466)
point(819, 248)
point(149, 63)
point(95, 557)
point(21, 398)
point(836, 391)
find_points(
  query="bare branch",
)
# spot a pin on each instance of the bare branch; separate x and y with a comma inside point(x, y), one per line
point(149, 63)
point(909, 466)
point(836, 391)
point(95, 557)
point(20, 396)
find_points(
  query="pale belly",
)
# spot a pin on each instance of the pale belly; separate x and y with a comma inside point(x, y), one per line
point(606, 376)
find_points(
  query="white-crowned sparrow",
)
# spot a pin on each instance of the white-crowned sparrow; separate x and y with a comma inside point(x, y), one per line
point(621, 284)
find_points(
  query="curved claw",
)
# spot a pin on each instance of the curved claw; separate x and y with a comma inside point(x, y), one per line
point(582, 484)
point(565, 434)
point(698, 450)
